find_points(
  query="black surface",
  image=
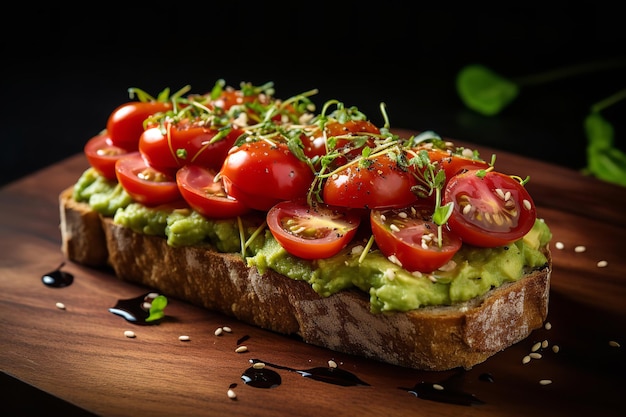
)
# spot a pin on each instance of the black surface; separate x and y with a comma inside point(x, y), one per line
point(67, 69)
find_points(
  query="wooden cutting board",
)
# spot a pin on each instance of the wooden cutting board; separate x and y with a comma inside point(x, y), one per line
point(80, 354)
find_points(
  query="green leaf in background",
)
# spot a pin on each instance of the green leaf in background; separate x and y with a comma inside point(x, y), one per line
point(604, 161)
point(484, 91)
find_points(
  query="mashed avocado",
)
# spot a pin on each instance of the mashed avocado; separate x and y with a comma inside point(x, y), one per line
point(473, 272)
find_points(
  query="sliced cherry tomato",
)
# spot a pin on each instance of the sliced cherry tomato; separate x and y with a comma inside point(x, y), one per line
point(125, 123)
point(380, 184)
point(261, 174)
point(102, 155)
point(207, 196)
point(411, 237)
point(144, 183)
point(453, 163)
point(490, 210)
point(202, 145)
point(316, 232)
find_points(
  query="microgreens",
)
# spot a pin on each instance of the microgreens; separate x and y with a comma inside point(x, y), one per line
point(157, 308)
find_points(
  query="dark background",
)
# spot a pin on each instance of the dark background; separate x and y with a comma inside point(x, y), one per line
point(66, 69)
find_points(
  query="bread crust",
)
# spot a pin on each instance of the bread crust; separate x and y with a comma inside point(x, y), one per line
point(429, 338)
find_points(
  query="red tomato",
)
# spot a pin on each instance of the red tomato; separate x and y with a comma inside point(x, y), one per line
point(382, 184)
point(102, 155)
point(202, 145)
point(156, 149)
point(125, 123)
point(198, 187)
point(489, 211)
point(145, 184)
point(312, 232)
point(350, 138)
point(452, 164)
point(411, 237)
point(260, 174)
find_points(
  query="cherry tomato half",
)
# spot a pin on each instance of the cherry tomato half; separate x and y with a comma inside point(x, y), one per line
point(198, 187)
point(261, 174)
point(102, 155)
point(125, 123)
point(453, 163)
point(145, 184)
point(490, 210)
point(411, 237)
point(380, 184)
point(316, 232)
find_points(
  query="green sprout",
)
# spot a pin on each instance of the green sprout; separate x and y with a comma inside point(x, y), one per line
point(157, 308)
point(488, 93)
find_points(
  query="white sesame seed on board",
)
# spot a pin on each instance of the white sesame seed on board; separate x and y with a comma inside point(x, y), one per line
point(547, 326)
point(332, 364)
point(559, 245)
point(613, 343)
point(258, 365)
point(60, 306)
point(219, 331)
point(231, 394)
point(241, 349)
point(580, 249)
point(525, 359)
point(535, 355)
point(536, 347)
point(129, 333)
point(184, 338)
point(545, 382)
point(602, 264)
point(556, 348)
point(227, 329)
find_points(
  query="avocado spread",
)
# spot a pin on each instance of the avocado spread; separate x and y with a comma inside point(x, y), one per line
point(472, 272)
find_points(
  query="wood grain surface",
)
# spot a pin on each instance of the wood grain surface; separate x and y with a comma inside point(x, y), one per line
point(80, 355)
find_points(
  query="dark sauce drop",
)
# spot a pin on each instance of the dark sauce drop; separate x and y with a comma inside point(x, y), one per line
point(261, 378)
point(58, 278)
point(328, 375)
point(135, 310)
point(446, 391)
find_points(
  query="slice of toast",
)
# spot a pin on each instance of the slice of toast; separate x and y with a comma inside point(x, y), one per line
point(429, 338)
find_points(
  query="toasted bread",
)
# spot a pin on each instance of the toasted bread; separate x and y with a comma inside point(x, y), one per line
point(429, 338)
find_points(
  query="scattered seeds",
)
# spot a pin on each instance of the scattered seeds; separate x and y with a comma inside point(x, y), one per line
point(602, 264)
point(545, 382)
point(60, 306)
point(332, 364)
point(544, 344)
point(219, 331)
point(241, 349)
point(559, 245)
point(227, 329)
point(231, 394)
point(129, 333)
point(525, 359)
point(535, 355)
point(258, 365)
point(184, 338)
point(438, 387)
point(536, 347)
point(613, 343)
point(556, 348)
point(580, 249)
point(547, 326)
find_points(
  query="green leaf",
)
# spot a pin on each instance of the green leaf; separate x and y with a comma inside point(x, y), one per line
point(157, 309)
point(484, 91)
point(599, 132)
point(607, 164)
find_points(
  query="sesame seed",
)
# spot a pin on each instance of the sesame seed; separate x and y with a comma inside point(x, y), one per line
point(219, 331)
point(184, 338)
point(403, 215)
point(556, 348)
point(241, 349)
point(547, 326)
point(60, 306)
point(559, 245)
point(227, 329)
point(536, 347)
point(438, 387)
point(602, 264)
point(545, 382)
point(544, 344)
point(613, 343)
point(258, 365)
point(580, 249)
point(535, 355)
point(129, 333)
point(525, 359)
point(394, 228)
point(231, 394)
point(332, 364)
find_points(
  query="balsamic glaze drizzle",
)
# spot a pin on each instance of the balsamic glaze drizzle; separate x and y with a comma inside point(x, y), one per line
point(58, 278)
point(135, 310)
